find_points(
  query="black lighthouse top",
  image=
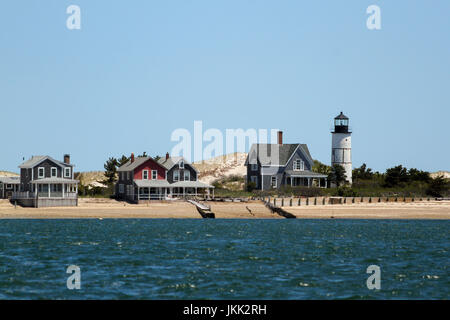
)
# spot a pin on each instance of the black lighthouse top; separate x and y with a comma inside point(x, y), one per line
point(341, 124)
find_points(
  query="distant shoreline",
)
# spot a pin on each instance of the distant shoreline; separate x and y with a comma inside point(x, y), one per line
point(105, 208)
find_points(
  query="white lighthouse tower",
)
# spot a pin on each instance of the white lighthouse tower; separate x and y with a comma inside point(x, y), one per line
point(341, 145)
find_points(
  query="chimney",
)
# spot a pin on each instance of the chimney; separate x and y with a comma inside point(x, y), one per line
point(67, 158)
point(167, 156)
point(280, 137)
point(132, 157)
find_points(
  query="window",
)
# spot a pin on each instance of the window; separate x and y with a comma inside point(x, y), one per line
point(181, 164)
point(254, 179)
point(41, 172)
point(9, 186)
point(299, 165)
point(254, 167)
point(145, 174)
point(176, 175)
point(187, 175)
point(273, 182)
point(67, 172)
point(54, 172)
point(154, 174)
point(128, 175)
point(120, 188)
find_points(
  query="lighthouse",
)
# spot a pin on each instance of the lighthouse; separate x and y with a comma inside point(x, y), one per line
point(341, 145)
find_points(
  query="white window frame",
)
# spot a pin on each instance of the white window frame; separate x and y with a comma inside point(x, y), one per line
point(276, 181)
point(67, 169)
point(144, 174)
point(176, 175)
point(121, 188)
point(154, 174)
point(181, 164)
point(254, 167)
point(39, 173)
point(187, 174)
point(128, 175)
point(298, 165)
point(9, 186)
point(51, 172)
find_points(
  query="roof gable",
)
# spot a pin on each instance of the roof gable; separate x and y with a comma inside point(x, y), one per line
point(172, 161)
point(130, 166)
point(36, 160)
point(276, 154)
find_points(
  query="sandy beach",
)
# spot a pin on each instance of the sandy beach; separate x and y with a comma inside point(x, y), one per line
point(408, 210)
point(106, 208)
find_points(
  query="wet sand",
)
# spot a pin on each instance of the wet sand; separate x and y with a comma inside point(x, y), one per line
point(106, 208)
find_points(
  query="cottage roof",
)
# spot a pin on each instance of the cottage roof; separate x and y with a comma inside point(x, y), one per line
point(54, 180)
point(10, 180)
point(129, 166)
point(275, 154)
point(305, 173)
point(35, 160)
point(172, 161)
point(152, 183)
point(190, 184)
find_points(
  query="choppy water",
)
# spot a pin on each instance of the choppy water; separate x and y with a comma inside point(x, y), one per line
point(224, 259)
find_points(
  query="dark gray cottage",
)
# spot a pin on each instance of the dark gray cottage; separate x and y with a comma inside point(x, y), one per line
point(9, 185)
point(46, 182)
point(270, 166)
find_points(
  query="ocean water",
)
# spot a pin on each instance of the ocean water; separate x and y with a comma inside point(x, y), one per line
point(224, 259)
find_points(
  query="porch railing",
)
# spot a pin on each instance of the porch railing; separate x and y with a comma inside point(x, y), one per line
point(32, 195)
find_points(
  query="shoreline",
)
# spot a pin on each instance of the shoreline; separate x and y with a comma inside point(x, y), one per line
point(91, 208)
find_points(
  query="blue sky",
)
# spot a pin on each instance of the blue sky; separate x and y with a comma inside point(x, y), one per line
point(137, 70)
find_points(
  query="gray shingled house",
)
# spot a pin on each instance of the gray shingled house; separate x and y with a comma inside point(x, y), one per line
point(271, 166)
point(46, 182)
point(9, 185)
point(183, 176)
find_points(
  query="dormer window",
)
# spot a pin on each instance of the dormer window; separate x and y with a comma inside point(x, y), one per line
point(67, 173)
point(181, 164)
point(299, 165)
point(41, 172)
point(54, 172)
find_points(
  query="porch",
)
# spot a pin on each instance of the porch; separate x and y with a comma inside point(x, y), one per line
point(162, 190)
point(306, 179)
point(49, 192)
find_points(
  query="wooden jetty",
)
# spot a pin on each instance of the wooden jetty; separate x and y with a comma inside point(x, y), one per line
point(204, 210)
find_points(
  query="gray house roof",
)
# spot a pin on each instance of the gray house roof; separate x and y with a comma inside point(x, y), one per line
point(169, 163)
point(55, 180)
point(304, 173)
point(190, 184)
point(152, 183)
point(35, 160)
point(10, 180)
point(129, 166)
point(275, 154)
